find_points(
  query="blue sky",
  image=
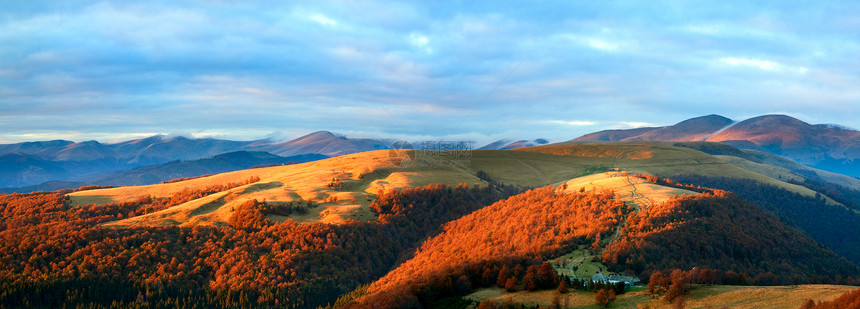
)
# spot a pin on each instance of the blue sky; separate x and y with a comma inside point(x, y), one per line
point(114, 70)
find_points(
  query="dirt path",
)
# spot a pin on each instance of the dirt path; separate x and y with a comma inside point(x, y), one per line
point(637, 199)
point(638, 196)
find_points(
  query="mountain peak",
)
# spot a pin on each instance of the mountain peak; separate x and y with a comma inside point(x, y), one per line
point(823, 146)
point(323, 142)
point(705, 120)
point(503, 144)
point(315, 137)
point(326, 134)
point(775, 119)
point(693, 129)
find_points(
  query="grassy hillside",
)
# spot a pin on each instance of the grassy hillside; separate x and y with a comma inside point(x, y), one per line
point(770, 165)
point(701, 296)
point(635, 190)
point(344, 186)
point(716, 231)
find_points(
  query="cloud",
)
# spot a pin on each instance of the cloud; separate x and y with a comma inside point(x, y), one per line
point(244, 70)
point(760, 64)
point(323, 20)
point(421, 42)
point(576, 123)
point(631, 124)
point(765, 65)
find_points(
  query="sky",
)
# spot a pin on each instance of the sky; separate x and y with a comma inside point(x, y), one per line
point(428, 70)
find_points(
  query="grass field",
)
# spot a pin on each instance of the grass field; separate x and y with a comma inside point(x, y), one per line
point(740, 297)
point(363, 175)
point(627, 188)
point(579, 264)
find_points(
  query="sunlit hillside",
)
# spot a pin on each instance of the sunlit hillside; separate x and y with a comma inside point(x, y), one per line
point(702, 296)
point(342, 187)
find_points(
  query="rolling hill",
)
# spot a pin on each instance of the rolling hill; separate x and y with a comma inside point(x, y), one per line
point(826, 147)
point(713, 231)
point(305, 234)
point(355, 179)
point(342, 188)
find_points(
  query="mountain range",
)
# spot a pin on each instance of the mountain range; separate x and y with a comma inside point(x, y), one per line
point(827, 147)
point(32, 163)
point(822, 146)
point(365, 230)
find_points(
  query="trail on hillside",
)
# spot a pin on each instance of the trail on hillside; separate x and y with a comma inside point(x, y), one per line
point(638, 196)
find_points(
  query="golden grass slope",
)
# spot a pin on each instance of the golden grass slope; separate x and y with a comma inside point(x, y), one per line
point(627, 188)
point(658, 158)
point(365, 174)
point(701, 296)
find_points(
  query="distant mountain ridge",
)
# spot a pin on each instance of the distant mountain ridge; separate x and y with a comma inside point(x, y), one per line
point(31, 163)
point(157, 173)
point(60, 161)
point(323, 142)
point(826, 147)
point(503, 144)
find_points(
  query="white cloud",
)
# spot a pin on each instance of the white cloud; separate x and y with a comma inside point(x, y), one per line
point(577, 123)
point(704, 29)
point(632, 124)
point(76, 136)
point(760, 64)
point(420, 41)
point(756, 63)
point(323, 20)
point(602, 44)
point(148, 67)
point(605, 41)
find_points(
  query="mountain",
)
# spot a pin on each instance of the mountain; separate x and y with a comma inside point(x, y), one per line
point(495, 145)
point(802, 142)
point(157, 173)
point(159, 149)
point(33, 147)
point(695, 129)
point(506, 145)
point(323, 142)
point(827, 147)
point(21, 169)
point(222, 163)
point(67, 161)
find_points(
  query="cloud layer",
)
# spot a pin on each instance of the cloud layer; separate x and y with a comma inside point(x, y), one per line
point(116, 69)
